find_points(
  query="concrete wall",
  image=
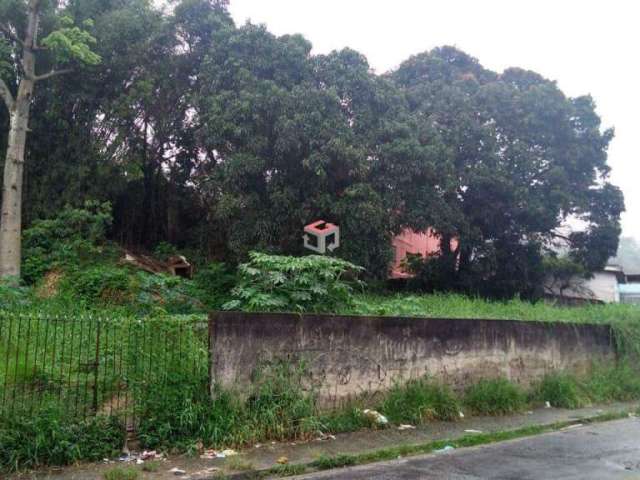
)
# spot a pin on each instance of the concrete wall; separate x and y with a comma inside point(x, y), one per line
point(349, 355)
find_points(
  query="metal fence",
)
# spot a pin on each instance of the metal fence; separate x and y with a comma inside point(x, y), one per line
point(88, 365)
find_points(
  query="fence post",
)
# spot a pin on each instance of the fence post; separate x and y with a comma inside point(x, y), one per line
point(96, 365)
point(211, 345)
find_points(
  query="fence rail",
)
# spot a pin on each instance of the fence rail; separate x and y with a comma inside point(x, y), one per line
point(90, 365)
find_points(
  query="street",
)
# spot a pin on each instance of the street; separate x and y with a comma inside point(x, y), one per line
point(599, 452)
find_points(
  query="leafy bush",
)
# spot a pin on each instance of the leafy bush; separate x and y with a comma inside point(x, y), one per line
point(560, 390)
point(418, 401)
point(282, 283)
point(495, 397)
point(73, 237)
point(52, 438)
point(99, 284)
point(213, 284)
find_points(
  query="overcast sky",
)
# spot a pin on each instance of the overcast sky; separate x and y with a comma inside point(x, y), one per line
point(586, 46)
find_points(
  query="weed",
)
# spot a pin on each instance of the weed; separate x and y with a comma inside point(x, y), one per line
point(238, 464)
point(122, 473)
point(560, 390)
point(495, 397)
point(51, 438)
point(151, 466)
point(420, 400)
point(325, 462)
point(288, 470)
point(349, 418)
point(609, 383)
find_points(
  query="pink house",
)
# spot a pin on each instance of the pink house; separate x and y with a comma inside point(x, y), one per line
point(414, 243)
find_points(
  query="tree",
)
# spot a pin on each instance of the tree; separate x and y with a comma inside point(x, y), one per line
point(521, 160)
point(64, 45)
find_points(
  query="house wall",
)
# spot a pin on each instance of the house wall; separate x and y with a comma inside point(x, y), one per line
point(349, 356)
point(603, 287)
point(416, 243)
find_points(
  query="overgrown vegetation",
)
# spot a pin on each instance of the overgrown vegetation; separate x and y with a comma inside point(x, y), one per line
point(312, 283)
point(495, 397)
point(53, 438)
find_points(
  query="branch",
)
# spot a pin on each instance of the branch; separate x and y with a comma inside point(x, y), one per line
point(5, 93)
point(7, 31)
point(52, 73)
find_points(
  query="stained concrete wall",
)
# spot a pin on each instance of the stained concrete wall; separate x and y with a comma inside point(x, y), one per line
point(349, 355)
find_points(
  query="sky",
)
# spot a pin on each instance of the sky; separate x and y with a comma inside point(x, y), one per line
point(588, 47)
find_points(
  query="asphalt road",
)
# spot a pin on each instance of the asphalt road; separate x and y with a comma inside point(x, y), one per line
point(599, 452)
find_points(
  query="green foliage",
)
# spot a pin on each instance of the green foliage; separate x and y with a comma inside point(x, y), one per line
point(99, 285)
point(279, 407)
point(561, 390)
point(213, 283)
point(613, 383)
point(51, 438)
point(280, 283)
point(70, 42)
point(324, 462)
point(75, 236)
point(122, 473)
point(418, 401)
point(495, 397)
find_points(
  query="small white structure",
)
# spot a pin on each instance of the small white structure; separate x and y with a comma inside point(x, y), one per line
point(321, 236)
point(602, 287)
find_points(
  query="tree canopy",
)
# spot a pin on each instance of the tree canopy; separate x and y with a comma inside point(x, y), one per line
point(225, 138)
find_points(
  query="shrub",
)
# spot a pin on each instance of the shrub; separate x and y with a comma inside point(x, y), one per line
point(560, 390)
point(281, 283)
point(418, 401)
point(213, 283)
point(73, 237)
point(495, 397)
point(99, 284)
point(52, 438)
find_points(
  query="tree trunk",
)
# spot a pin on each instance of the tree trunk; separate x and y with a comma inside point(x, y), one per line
point(11, 217)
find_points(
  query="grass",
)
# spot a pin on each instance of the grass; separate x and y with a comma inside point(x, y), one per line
point(420, 400)
point(495, 397)
point(52, 438)
point(151, 466)
point(238, 464)
point(449, 305)
point(122, 473)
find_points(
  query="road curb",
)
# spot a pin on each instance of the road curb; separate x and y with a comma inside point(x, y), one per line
point(426, 448)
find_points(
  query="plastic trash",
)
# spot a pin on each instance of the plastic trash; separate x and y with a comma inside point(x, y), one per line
point(406, 427)
point(473, 431)
point(448, 448)
point(461, 415)
point(176, 471)
point(376, 417)
point(547, 404)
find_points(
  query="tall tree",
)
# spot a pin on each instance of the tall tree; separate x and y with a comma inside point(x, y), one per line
point(20, 23)
point(523, 160)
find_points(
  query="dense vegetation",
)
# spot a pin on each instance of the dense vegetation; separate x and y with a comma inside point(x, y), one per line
point(178, 131)
point(222, 139)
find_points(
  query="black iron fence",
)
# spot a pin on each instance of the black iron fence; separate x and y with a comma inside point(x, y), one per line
point(88, 365)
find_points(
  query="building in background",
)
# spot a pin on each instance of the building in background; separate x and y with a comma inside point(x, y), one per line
point(410, 243)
